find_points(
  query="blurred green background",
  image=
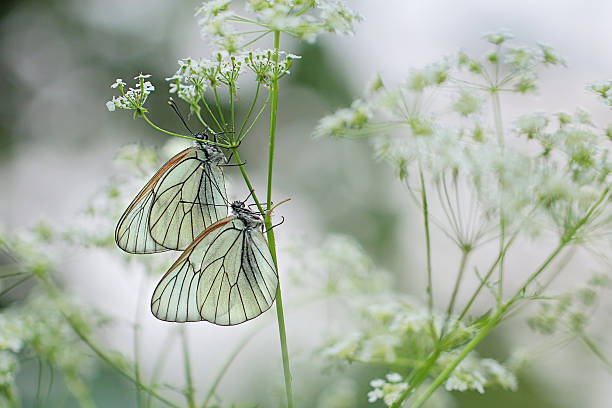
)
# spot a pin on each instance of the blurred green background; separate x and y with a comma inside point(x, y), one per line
point(57, 143)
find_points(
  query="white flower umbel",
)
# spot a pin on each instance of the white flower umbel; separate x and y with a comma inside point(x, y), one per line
point(131, 98)
point(232, 29)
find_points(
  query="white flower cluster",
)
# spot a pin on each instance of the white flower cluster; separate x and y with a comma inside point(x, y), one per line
point(305, 19)
point(339, 266)
point(194, 76)
point(388, 390)
point(37, 328)
point(131, 98)
point(561, 180)
point(395, 332)
point(570, 312)
point(475, 374)
point(604, 90)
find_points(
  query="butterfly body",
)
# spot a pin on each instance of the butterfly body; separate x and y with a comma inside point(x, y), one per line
point(226, 276)
point(184, 197)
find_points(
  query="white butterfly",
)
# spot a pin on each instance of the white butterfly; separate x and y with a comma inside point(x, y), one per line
point(226, 276)
point(184, 197)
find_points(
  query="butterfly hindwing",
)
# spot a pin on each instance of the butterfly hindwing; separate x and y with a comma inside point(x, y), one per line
point(226, 276)
point(189, 198)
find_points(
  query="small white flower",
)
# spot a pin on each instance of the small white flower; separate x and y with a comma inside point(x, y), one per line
point(377, 383)
point(142, 76)
point(375, 395)
point(118, 82)
point(394, 377)
point(110, 105)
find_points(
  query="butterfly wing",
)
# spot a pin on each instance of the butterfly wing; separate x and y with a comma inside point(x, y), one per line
point(133, 233)
point(226, 276)
point(189, 198)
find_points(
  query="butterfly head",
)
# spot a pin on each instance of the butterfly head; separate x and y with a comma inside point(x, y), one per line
point(213, 152)
point(242, 212)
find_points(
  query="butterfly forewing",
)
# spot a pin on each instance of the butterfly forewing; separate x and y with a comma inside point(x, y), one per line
point(189, 198)
point(133, 233)
point(226, 277)
point(186, 195)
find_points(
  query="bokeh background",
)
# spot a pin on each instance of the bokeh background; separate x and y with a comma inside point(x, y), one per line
point(58, 142)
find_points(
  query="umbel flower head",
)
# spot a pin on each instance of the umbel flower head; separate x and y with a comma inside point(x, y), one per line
point(231, 30)
point(131, 98)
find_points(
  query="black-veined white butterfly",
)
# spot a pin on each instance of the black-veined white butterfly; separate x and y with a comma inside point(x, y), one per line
point(226, 276)
point(184, 197)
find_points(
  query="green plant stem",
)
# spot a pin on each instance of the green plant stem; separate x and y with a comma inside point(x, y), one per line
point(248, 116)
point(263, 107)
point(190, 391)
point(268, 223)
point(211, 113)
point(499, 314)
point(462, 355)
point(199, 116)
point(595, 350)
point(498, 117)
point(136, 342)
point(429, 289)
point(502, 239)
point(223, 126)
point(485, 279)
point(418, 378)
point(451, 305)
point(154, 126)
point(227, 364)
point(54, 293)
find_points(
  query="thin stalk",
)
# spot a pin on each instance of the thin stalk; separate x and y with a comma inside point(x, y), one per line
point(248, 116)
point(498, 118)
point(418, 378)
point(219, 108)
point(485, 279)
point(53, 291)
point(232, 104)
point(226, 366)
point(154, 126)
point(502, 238)
point(211, 113)
point(245, 176)
point(499, 314)
point(268, 224)
point(595, 350)
point(462, 355)
point(190, 391)
point(199, 116)
point(500, 141)
point(14, 285)
point(429, 290)
point(451, 305)
point(39, 383)
point(160, 362)
point(246, 132)
point(136, 342)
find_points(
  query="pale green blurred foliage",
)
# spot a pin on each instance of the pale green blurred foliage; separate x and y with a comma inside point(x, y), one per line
point(549, 175)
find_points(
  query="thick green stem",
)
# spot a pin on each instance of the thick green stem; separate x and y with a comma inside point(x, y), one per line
point(268, 224)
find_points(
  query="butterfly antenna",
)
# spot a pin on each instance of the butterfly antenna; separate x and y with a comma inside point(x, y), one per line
point(282, 202)
point(178, 112)
point(249, 196)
